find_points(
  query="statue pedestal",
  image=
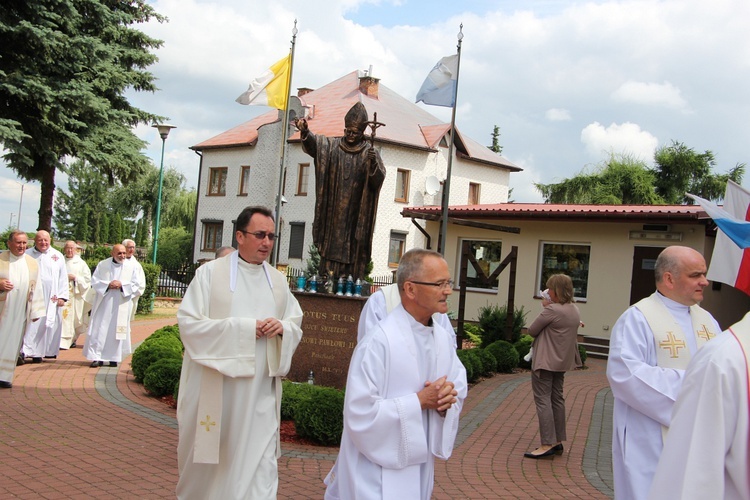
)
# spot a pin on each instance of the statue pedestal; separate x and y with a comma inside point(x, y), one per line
point(329, 335)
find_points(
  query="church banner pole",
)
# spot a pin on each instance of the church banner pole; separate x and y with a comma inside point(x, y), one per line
point(447, 183)
point(284, 137)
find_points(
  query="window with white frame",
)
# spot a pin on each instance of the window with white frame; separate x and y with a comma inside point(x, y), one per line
point(244, 180)
point(488, 255)
point(402, 185)
point(303, 177)
point(396, 248)
point(565, 258)
point(217, 181)
point(474, 192)
point(212, 233)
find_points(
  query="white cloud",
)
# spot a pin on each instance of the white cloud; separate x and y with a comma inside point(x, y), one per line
point(652, 94)
point(557, 115)
point(627, 139)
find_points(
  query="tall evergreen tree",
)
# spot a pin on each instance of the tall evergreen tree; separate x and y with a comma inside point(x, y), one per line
point(65, 66)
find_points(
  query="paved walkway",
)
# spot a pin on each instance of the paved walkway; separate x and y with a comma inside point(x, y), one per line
point(70, 431)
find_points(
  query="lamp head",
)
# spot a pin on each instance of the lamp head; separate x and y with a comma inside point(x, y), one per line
point(163, 129)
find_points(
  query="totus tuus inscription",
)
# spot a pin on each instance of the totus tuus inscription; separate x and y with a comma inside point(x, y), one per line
point(329, 335)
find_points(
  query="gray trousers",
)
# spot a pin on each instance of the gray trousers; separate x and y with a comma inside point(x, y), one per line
point(550, 405)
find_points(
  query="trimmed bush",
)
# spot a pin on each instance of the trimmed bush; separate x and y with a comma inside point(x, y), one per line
point(321, 417)
point(176, 392)
point(169, 330)
point(489, 363)
point(522, 347)
point(163, 376)
point(151, 351)
point(291, 395)
point(492, 321)
point(505, 354)
point(584, 354)
point(152, 282)
point(466, 360)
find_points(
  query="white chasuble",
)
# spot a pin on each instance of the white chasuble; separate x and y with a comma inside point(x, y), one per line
point(229, 399)
point(389, 443)
point(707, 450)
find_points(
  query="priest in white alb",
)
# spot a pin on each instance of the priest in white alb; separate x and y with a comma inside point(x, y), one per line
point(240, 325)
point(115, 283)
point(404, 393)
point(21, 301)
point(42, 338)
point(79, 283)
point(650, 348)
point(707, 451)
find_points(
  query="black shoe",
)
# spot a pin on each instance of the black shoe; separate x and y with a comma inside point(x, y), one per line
point(73, 345)
point(95, 364)
point(559, 449)
point(113, 363)
point(36, 360)
point(20, 360)
point(547, 453)
point(51, 357)
point(5, 385)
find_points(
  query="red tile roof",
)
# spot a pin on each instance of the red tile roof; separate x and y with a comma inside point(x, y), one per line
point(406, 123)
point(558, 212)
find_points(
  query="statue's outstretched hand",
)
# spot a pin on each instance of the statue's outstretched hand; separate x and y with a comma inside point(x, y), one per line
point(301, 125)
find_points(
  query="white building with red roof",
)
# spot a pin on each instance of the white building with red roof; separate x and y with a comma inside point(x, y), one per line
point(240, 167)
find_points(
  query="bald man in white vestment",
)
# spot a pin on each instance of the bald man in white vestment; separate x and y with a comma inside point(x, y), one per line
point(240, 325)
point(42, 338)
point(707, 453)
point(21, 301)
point(650, 348)
point(404, 393)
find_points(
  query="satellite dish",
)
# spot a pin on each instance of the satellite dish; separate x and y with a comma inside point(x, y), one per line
point(431, 185)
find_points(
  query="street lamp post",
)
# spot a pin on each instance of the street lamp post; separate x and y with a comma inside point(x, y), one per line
point(163, 132)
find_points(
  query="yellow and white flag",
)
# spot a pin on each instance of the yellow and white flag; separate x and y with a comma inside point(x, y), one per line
point(271, 88)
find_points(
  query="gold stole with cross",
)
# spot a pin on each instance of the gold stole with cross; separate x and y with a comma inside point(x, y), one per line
point(670, 341)
point(33, 267)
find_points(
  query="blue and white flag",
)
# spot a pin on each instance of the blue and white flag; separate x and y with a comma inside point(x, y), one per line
point(439, 88)
point(736, 229)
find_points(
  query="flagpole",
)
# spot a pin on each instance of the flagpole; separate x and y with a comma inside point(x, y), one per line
point(447, 183)
point(284, 137)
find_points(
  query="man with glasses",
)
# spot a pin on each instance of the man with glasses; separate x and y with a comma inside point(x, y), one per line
point(404, 392)
point(240, 325)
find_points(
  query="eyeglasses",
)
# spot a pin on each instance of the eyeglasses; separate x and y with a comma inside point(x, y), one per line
point(260, 234)
point(438, 284)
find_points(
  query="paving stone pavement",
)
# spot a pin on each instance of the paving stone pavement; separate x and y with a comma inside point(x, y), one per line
point(68, 431)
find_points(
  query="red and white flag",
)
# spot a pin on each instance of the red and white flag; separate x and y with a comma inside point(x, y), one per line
point(730, 264)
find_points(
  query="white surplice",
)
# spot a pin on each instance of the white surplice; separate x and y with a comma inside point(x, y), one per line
point(102, 342)
point(378, 306)
point(73, 313)
point(249, 372)
point(17, 309)
point(644, 397)
point(389, 443)
point(138, 269)
point(42, 338)
point(706, 452)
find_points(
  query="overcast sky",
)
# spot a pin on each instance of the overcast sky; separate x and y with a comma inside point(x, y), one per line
point(567, 82)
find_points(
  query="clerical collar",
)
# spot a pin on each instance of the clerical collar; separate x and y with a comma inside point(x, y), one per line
point(352, 149)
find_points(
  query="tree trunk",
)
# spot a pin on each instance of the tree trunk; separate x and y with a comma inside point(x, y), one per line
point(47, 195)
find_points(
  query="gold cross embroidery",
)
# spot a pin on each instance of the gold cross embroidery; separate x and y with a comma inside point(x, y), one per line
point(673, 345)
point(208, 423)
point(705, 334)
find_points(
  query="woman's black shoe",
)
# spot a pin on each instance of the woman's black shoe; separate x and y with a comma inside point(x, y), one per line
point(559, 449)
point(547, 453)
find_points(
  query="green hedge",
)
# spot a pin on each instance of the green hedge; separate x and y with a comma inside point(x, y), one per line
point(163, 376)
point(152, 350)
point(152, 282)
point(321, 416)
point(523, 346)
point(292, 393)
point(583, 353)
point(466, 360)
point(505, 354)
point(492, 321)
